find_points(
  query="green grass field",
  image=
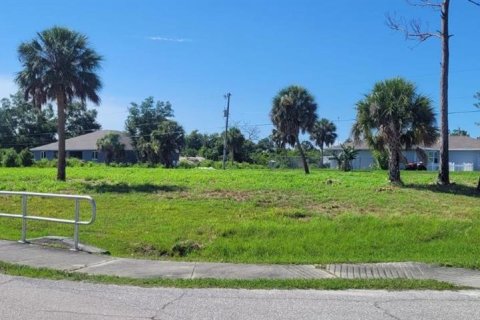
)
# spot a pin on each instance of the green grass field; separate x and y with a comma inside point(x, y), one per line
point(260, 216)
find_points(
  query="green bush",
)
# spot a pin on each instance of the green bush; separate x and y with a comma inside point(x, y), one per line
point(185, 164)
point(25, 158)
point(74, 162)
point(119, 164)
point(207, 163)
point(381, 159)
point(45, 163)
point(10, 158)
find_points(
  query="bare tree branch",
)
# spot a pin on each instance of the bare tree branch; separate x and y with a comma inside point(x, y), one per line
point(474, 2)
point(425, 3)
point(413, 29)
point(251, 132)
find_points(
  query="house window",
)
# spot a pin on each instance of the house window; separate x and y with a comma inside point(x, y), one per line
point(55, 154)
point(75, 154)
point(43, 155)
point(95, 155)
point(433, 157)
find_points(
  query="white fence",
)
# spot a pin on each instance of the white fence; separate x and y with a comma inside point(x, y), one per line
point(460, 167)
point(452, 166)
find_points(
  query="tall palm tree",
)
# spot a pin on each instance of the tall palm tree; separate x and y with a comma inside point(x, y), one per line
point(59, 66)
point(323, 134)
point(294, 111)
point(394, 116)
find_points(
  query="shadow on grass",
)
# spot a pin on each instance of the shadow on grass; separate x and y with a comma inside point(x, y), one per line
point(458, 189)
point(127, 188)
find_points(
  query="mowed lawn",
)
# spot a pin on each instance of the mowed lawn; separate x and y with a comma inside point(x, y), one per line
point(259, 216)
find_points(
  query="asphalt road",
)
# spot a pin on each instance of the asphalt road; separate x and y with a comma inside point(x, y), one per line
point(23, 298)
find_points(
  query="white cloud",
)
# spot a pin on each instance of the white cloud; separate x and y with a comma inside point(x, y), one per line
point(157, 38)
point(7, 86)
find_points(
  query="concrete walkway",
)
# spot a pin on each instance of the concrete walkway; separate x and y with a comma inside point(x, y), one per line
point(66, 260)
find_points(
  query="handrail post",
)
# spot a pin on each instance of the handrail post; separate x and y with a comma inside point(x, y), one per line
point(75, 226)
point(24, 220)
point(25, 216)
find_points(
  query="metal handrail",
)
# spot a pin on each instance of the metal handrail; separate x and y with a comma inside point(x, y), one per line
point(24, 215)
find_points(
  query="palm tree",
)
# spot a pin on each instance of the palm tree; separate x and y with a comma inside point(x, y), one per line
point(294, 111)
point(235, 141)
point(111, 145)
point(323, 134)
point(345, 157)
point(59, 66)
point(167, 141)
point(394, 116)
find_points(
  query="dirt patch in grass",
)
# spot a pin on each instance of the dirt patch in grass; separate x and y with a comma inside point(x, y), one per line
point(330, 209)
point(123, 187)
point(150, 250)
point(185, 247)
point(260, 198)
point(236, 195)
point(389, 189)
point(299, 215)
point(181, 248)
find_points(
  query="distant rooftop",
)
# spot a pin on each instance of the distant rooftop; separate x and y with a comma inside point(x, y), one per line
point(86, 142)
point(454, 143)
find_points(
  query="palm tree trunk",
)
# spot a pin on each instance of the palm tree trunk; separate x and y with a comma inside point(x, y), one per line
point(61, 175)
point(443, 175)
point(304, 159)
point(394, 162)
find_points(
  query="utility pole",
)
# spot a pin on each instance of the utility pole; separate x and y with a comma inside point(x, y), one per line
point(226, 114)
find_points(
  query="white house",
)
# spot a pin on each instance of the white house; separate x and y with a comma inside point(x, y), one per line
point(464, 155)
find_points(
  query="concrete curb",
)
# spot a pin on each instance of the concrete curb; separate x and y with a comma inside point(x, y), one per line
point(82, 262)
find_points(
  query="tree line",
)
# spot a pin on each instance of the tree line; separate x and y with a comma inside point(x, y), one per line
point(23, 125)
point(59, 65)
point(158, 139)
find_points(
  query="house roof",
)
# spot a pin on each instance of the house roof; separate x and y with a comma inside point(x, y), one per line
point(86, 142)
point(459, 143)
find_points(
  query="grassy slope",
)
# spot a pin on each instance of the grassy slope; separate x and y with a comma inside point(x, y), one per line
point(262, 216)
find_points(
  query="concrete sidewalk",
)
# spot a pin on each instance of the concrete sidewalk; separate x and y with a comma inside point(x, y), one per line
point(61, 259)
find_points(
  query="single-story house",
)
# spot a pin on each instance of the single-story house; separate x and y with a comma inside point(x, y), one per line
point(84, 147)
point(464, 155)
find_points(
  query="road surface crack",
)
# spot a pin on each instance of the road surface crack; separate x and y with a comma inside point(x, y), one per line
point(384, 310)
point(173, 300)
point(169, 303)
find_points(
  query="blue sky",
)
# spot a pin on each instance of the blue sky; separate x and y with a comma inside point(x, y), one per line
point(192, 52)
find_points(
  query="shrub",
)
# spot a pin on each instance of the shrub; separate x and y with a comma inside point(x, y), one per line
point(74, 162)
point(10, 158)
point(185, 164)
point(345, 157)
point(207, 163)
point(381, 159)
point(45, 163)
point(25, 158)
